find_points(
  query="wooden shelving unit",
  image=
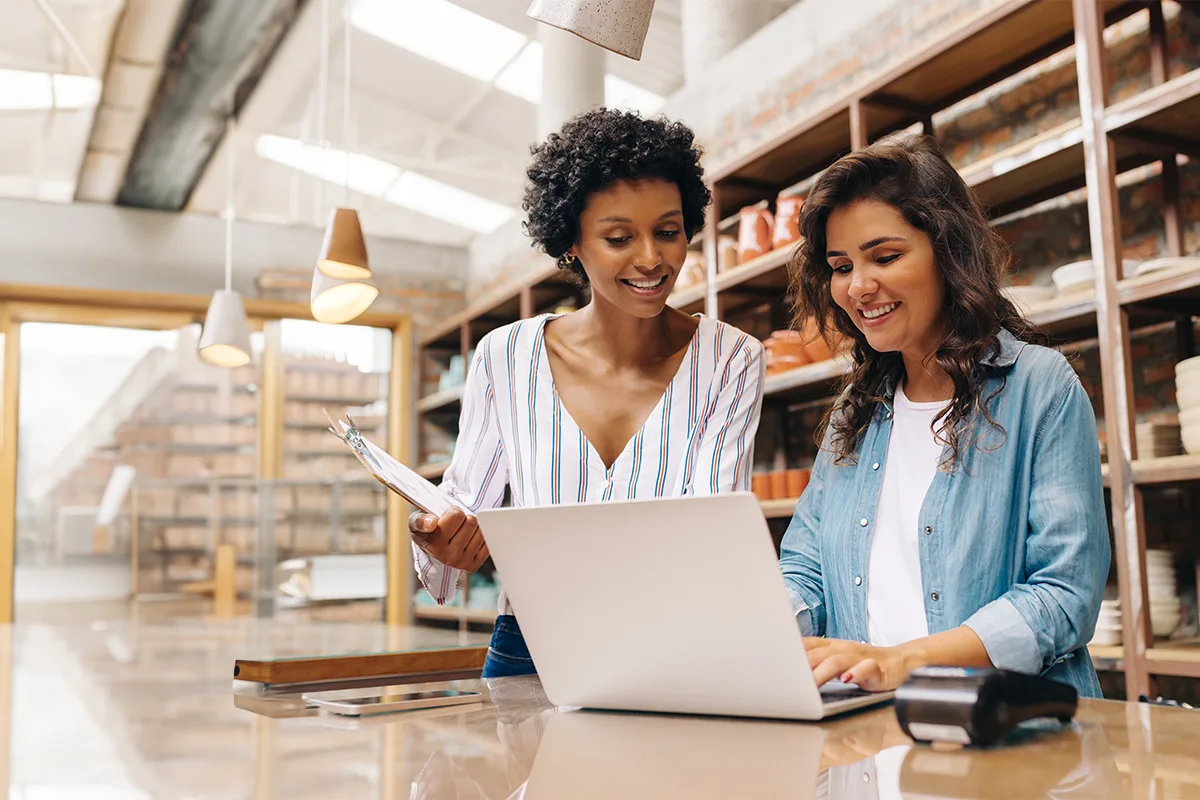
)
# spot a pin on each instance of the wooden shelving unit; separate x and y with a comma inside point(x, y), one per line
point(1153, 126)
point(459, 335)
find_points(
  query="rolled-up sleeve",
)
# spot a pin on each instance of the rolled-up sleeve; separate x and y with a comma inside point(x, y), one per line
point(1052, 613)
point(800, 553)
point(726, 453)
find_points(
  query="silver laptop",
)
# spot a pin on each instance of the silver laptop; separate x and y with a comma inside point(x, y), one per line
point(673, 605)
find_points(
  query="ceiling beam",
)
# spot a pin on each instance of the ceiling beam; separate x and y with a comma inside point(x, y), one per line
point(219, 53)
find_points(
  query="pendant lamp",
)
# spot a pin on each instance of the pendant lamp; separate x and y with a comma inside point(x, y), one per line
point(616, 25)
point(344, 249)
point(225, 338)
point(340, 300)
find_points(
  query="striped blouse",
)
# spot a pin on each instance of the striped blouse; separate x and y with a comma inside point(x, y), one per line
point(514, 431)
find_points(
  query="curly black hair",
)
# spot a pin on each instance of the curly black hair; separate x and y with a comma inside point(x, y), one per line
point(591, 152)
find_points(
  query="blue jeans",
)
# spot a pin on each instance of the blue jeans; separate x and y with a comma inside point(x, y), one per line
point(507, 654)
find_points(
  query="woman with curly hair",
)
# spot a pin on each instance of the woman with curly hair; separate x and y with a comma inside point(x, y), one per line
point(626, 398)
point(955, 514)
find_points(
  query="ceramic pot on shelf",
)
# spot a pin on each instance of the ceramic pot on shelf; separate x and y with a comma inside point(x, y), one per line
point(754, 233)
point(787, 221)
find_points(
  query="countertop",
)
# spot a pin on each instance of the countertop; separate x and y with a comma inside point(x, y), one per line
point(129, 711)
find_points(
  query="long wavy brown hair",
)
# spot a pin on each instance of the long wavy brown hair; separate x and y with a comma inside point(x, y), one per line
point(910, 174)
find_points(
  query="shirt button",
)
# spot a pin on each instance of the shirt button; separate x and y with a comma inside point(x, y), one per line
point(889, 415)
point(866, 777)
point(858, 581)
point(928, 529)
point(862, 522)
point(933, 596)
point(875, 465)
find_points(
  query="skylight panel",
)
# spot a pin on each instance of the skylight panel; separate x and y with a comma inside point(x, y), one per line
point(23, 90)
point(368, 175)
point(448, 203)
point(442, 32)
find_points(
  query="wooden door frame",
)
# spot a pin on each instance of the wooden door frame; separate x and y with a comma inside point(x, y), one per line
point(21, 303)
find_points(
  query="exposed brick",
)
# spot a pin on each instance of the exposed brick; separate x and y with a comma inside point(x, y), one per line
point(1159, 373)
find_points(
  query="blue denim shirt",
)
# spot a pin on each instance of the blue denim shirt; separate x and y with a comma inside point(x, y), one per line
point(1013, 539)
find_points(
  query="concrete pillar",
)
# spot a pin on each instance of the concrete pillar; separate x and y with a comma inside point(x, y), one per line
point(572, 78)
point(711, 28)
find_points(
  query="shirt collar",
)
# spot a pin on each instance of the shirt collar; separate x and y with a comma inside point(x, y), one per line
point(1002, 355)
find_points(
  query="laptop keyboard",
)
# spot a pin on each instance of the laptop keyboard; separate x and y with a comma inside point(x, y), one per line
point(835, 691)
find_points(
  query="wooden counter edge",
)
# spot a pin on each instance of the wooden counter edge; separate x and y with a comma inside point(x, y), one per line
point(367, 665)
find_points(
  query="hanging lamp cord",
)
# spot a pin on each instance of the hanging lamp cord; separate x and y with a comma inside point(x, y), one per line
point(230, 176)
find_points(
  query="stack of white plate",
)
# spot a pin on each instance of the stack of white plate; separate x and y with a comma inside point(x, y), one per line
point(1187, 395)
point(1108, 626)
point(1183, 264)
point(1158, 439)
point(1163, 591)
point(1026, 298)
point(1080, 277)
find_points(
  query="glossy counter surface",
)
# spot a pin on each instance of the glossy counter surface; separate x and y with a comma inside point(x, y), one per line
point(127, 711)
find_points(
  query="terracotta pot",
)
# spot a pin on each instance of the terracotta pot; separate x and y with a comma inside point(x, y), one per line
point(778, 364)
point(779, 484)
point(694, 271)
point(786, 344)
point(797, 481)
point(727, 253)
point(787, 220)
point(760, 484)
point(754, 233)
point(815, 347)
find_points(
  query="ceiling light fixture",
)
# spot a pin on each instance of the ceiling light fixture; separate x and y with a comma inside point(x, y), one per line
point(342, 288)
point(616, 25)
point(225, 337)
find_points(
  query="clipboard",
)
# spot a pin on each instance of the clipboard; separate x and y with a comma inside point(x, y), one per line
point(390, 472)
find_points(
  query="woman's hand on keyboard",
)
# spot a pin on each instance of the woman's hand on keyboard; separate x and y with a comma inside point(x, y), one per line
point(876, 669)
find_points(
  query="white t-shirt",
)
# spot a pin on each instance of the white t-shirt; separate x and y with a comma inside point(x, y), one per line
point(895, 599)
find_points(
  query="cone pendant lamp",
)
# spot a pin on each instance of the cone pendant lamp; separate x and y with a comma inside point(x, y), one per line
point(344, 250)
point(616, 25)
point(339, 300)
point(225, 338)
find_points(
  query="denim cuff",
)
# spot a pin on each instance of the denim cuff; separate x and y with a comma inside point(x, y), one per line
point(1010, 643)
point(803, 612)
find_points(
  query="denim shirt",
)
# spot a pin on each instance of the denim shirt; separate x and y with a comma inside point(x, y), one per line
point(1013, 539)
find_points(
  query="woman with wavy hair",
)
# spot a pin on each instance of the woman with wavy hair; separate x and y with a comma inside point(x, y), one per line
point(626, 398)
point(955, 514)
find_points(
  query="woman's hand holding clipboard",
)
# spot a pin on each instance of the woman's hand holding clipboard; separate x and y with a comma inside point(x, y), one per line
point(441, 527)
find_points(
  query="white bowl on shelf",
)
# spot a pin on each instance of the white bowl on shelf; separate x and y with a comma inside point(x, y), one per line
point(1189, 366)
point(1156, 555)
point(1081, 275)
point(1106, 638)
point(1076, 277)
point(1164, 623)
point(1026, 298)
point(1187, 381)
point(1187, 400)
point(1163, 592)
point(1183, 264)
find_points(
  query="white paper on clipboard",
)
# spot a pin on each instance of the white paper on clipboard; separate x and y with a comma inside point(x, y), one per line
point(391, 473)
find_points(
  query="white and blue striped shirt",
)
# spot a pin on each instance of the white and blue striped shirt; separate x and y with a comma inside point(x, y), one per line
point(514, 431)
